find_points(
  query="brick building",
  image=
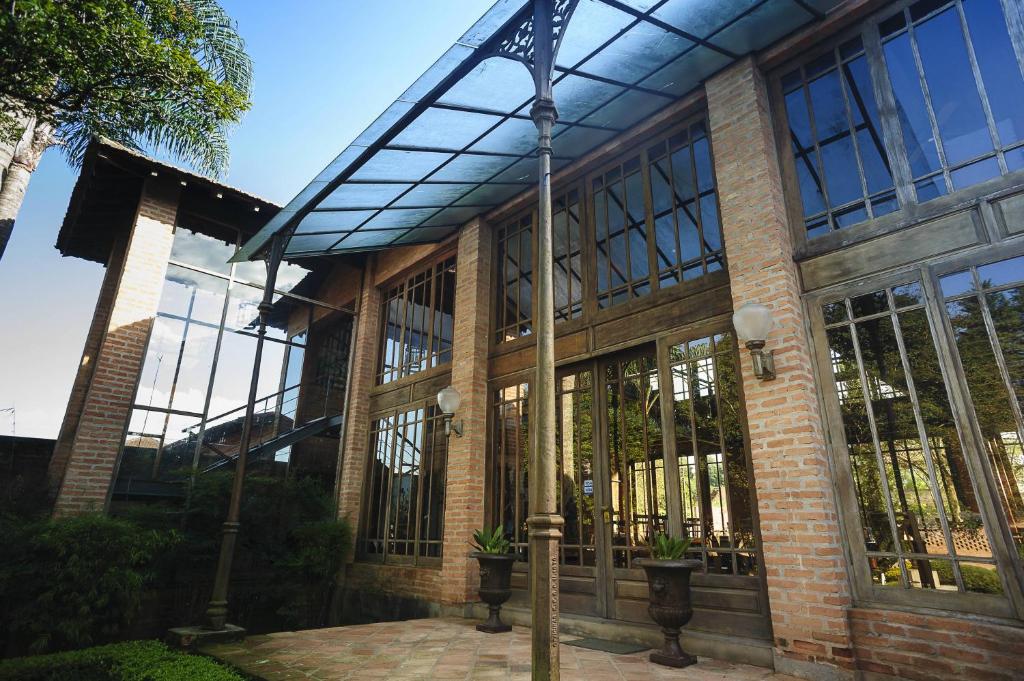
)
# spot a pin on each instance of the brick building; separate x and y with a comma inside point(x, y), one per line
point(857, 167)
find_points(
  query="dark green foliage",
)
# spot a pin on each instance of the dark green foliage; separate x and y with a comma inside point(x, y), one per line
point(171, 74)
point(135, 661)
point(976, 579)
point(665, 547)
point(491, 541)
point(76, 581)
point(290, 543)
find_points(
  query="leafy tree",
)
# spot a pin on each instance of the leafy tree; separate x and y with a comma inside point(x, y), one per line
point(165, 74)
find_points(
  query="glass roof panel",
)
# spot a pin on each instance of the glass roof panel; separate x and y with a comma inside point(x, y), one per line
point(400, 217)
point(514, 136)
point(636, 53)
point(627, 109)
point(491, 194)
point(433, 195)
point(495, 84)
point(763, 26)
point(426, 235)
point(445, 129)
point(592, 23)
point(335, 220)
point(577, 96)
point(471, 168)
point(397, 164)
point(368, 238)
point(389, 164)
point(362, 195)
point(702, 18)
point(313, 242)
point(452, 216)
point(578, 141)
point(686, 72)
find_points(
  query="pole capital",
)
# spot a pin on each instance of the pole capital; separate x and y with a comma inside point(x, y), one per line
point(543, 110)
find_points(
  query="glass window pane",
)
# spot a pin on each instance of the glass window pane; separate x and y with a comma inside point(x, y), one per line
point(201, 250)
point(910, 106)
point(999, 68)
point(951, 85)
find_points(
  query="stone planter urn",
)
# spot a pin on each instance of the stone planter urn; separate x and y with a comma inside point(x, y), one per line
point(495, 588)
point(670, 606)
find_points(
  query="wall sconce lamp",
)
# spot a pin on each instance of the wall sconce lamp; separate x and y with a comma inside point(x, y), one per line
point(753, 322)
point(449, 400)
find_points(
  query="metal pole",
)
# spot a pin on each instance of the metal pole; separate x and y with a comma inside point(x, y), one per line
point(217, 610)
point(544, 523)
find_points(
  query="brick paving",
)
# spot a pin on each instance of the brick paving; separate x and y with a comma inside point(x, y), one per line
point(445, 650)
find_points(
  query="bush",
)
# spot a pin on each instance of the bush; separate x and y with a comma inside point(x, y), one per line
point(72, 582)
point(135, 661)
point(976, 579)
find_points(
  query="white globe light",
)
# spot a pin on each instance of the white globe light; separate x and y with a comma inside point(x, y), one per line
point(449, 400)
point(753, 322)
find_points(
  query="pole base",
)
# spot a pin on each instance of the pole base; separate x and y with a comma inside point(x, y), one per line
point(683, 660)
point(190, 638)
point(488, 628)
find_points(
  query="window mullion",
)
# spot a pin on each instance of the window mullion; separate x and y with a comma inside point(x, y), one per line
point(892, 134)
point(940, 146)
point(879, 460)
point(980, 84)
point(845, 88)
point(822, 182)
point(925, 444)
point(1015, 25)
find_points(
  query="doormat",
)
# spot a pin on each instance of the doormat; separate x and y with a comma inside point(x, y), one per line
point(614, 647)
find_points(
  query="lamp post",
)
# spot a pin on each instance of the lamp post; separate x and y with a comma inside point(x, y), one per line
point(544, 523)
point(217, 610)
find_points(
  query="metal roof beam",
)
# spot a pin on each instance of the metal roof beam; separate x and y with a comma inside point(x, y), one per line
point(665, 26)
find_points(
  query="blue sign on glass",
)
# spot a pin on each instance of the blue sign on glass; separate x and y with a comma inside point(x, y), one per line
point(588, 487)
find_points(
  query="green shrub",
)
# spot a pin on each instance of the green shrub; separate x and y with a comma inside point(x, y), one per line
point(134, 661)
point(976, 579)
point(73, 582)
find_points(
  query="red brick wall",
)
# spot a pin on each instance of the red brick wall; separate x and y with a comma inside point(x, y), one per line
point(916, 646)
point(80, 388)
point(805, 564)
point(92, 460)
point(464, 491)
point(357, 421)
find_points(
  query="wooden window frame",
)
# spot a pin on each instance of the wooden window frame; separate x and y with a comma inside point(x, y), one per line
point(910, 210)
point(1011, 603)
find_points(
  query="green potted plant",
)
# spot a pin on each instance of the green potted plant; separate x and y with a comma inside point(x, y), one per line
point(495, 575)
point(668, 581)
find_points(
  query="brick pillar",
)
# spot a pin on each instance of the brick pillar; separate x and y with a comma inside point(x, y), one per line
point(357, 420)
point(464, 488)
point(808, 585)
point(80, 388)
point(92, 460)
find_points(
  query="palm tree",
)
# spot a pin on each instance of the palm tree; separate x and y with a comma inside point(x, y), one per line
point(174, 76)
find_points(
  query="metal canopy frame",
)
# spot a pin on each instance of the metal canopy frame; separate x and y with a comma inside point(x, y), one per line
point(626, 38)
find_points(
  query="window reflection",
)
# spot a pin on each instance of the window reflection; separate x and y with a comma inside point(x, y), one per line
point(919, 511)
point(638, 501)
point(404, 500)
point(575, 461)
point(515, 279)
point(418, 323)
point(985, 308)
point(509, 463)
point(714, 476)
point(842, 167)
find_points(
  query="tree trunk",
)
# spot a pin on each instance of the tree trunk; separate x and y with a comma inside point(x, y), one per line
point(34, 141)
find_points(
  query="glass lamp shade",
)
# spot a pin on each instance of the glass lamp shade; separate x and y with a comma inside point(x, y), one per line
point(753, 322)
point(449, 400)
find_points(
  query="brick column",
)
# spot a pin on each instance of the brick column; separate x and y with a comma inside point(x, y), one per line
point(464, 487)
point(357, 420)
point(92, 460)
point(808, 584)
point(80, 388)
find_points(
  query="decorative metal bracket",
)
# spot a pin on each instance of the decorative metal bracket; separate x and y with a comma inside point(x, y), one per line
point(519, 43)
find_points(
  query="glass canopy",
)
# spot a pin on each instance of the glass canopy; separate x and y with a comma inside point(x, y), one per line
point(460, 142)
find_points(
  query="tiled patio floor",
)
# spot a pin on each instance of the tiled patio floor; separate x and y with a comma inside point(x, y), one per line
point(445, 650)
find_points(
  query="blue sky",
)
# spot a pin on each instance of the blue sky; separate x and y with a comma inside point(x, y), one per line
point(324, 70)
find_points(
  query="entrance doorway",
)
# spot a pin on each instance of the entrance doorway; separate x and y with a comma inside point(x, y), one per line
point(649, 440)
